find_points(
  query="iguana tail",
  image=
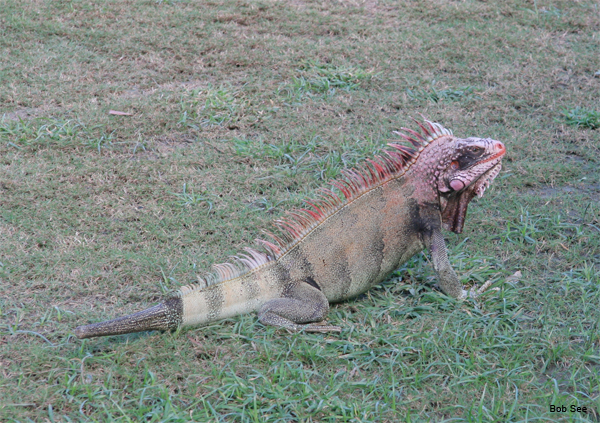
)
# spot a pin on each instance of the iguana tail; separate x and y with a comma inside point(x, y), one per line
point(193, 306)
point(167, 315)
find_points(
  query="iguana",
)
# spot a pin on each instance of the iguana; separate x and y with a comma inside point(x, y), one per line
point(342, 244)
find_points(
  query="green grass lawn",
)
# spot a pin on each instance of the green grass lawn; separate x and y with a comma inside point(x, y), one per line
point(236, 111)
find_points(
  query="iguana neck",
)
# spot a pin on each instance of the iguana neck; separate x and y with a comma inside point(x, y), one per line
point(424, 173)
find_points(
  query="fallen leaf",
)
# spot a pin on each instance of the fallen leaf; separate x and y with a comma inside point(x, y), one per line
point(116, 112)
point(514, 278)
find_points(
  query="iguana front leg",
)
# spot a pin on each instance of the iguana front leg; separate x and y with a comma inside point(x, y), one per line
point(447, 278)
point(303, 305)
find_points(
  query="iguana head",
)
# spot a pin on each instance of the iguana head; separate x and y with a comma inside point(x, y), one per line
point(469, 167)
point(449, 169)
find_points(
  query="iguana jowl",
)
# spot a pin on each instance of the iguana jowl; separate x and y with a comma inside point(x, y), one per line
point(340, 246)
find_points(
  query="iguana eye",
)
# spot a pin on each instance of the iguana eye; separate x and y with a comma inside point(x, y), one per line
point(475, 149)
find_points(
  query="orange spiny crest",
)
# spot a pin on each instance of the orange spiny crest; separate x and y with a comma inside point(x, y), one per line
point(273, 249)
point(432, 127)
point(320, 212)
point(355, 183)
point(356, 178)
point(343, 188)
point(289, 227)
point(327, 195)
point(300, 218)
point(325, 203)
point(383, 166)
point(396, 157)
point(432, 131)
point(381, 172)
point(369, 173)
point(408, 138)
point(254, 260)
point(314, 215)
point(392, 165)
point(425, 131)
point(227, 270)
point(418, 142)
point(406, 152)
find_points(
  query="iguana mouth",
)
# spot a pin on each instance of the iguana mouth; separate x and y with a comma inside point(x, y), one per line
point(455, 209)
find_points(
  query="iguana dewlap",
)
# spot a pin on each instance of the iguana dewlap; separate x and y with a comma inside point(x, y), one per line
point(341, 245)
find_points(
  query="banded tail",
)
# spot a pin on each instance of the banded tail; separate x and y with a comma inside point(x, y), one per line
point(164, 316)
point(237, 294)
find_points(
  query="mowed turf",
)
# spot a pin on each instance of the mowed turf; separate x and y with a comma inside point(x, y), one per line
point(230, 113)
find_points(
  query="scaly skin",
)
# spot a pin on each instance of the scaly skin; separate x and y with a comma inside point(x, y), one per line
point(391, 210)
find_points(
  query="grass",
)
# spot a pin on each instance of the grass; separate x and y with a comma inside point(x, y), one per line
point(436, 95)
point(186, 198)
point(239, 110)
point(324, 79)
point(580, 116)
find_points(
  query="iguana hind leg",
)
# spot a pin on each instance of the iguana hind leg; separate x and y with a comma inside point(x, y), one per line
point(303, 308)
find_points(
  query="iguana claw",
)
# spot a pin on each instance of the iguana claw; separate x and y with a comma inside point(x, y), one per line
point(475, 292)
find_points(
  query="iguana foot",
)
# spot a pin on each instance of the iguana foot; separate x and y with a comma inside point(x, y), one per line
point(320, 327)
point(475, 292)
point(272, 319)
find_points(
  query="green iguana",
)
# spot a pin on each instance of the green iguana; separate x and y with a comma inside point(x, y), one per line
point(342, 245)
